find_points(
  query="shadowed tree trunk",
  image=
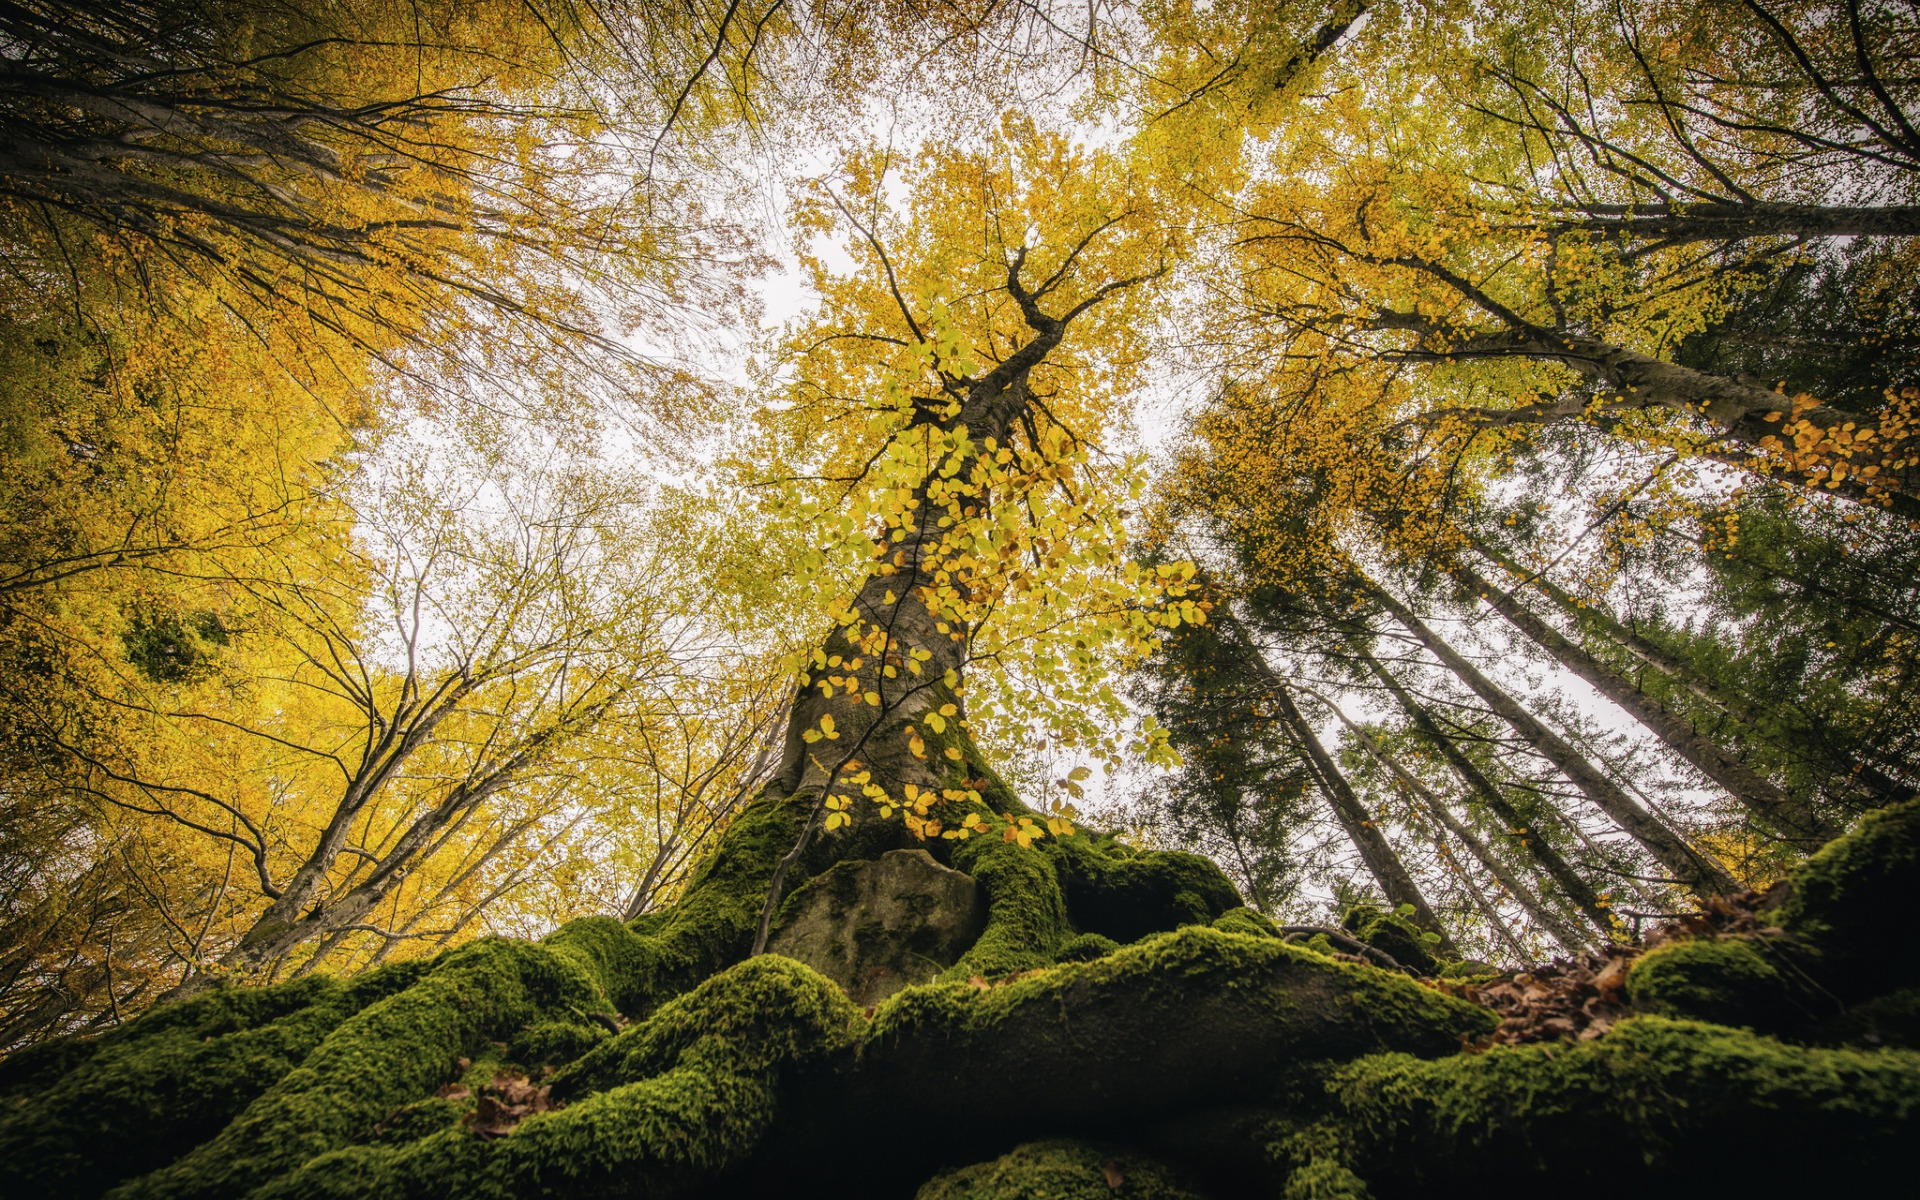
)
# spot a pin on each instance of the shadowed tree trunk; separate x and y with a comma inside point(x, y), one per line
point(1594, 617)
point(1383, 863)
point(1542, 915)
point(1787, 814)
point(1693, 870)
point(1556, 868)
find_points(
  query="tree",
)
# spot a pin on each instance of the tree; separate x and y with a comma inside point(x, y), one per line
point(1003, 289)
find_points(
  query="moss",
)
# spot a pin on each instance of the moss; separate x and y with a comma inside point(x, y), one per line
point(411, 1122)
point(1679, 1108)
point(1086, 947)
point(1851, 902)
point(387, 1055)
point(1026, 912)
point(1731, 982)
point(1060, 1170)
point(1127, 895)
point(1393, 935)
point(659, 1110)
point(1325, 1179)
point(286, 1076)
point(553, 1043)
point(1889, 1020)
point(1197, 1016)
point(144, 1092)
point(1246, 920)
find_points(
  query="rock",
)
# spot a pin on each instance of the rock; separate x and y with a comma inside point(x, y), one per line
point(875, 926)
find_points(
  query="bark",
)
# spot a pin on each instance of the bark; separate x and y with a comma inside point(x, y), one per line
point(1750, 416)
point(1732, 221)
point(1378, 853)
point(1571, 882)
point(1787, 814)
point(1681, 672)
point(1652, 655)
point(1542, 915)
point(892, 626)
point(1693, 870)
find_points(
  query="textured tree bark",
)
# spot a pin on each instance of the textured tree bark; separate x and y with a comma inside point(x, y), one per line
point(1571, 882)
point(1710, 221)
point(1693, 870)
point(1647, 652)
point(1748, 415)
point(1787, 814)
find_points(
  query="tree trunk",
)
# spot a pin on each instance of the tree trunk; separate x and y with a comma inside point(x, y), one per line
point(1787, 814)
point(1698, 873)
point(1682, 672)
point(1542, 915)
point(1714, 221)
point(1571, 882)
point(1378, 853)
point(1761, 425)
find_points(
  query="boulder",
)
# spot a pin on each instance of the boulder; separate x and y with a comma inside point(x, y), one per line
point(875, 926)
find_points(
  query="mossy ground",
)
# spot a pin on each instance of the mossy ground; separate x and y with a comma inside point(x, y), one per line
point(1120, 1005)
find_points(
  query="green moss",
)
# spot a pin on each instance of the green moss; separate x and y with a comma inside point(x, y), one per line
point(553, 1043)
point(1732, 982)
point(1246, 920)
point(1325, 1179)
point(659, 1110)
point(1889, 1020)
point(152, 1088)
point(1852, 903)
point(1127, 895)
point(248, 1081)
point(1026, 912)
point(1393, 935)
point(1060, 1170)
point(387, 1055)
point(1655, 1106)
point(1193, 1017)
point(1086, 947)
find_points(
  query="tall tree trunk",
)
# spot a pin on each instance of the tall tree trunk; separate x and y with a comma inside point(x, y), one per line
point(894, 657)
point(1383, 863)
point(1888, 789)
point(1787, 814)
point(1594, 617)
point(1691, 869)
point(1574, 885)
point(1542, 915)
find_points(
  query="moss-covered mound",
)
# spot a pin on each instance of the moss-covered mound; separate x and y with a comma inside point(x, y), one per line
point(1060, 1170)
point(1120, 1018)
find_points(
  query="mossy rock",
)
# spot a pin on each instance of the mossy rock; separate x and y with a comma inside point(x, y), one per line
point(1061, 1170)
point(1730, 982)
point(1247, 921)
point(1126, 894)
point(1892, 1020)
point(1086, 947)
point(1654, 1107)
point(1853, 904)
point(168, 1081)
point(1393, 935)
point(1184, 1018)
point(874, 926)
